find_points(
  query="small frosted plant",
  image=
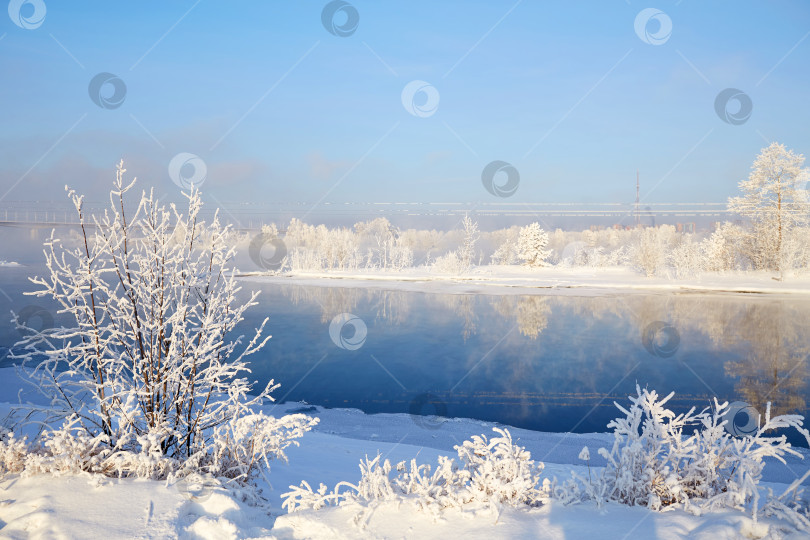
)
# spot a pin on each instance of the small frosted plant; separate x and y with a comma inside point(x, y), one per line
point(585, 455)
point(148, 366)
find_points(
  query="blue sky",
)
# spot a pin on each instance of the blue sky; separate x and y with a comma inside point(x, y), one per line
point(280, 110)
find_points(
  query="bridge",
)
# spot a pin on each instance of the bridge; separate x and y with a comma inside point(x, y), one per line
point(249, 216)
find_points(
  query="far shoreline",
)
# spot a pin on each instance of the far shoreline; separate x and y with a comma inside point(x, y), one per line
point(513, 280)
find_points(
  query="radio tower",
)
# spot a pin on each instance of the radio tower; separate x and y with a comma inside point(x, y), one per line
point(638, 216)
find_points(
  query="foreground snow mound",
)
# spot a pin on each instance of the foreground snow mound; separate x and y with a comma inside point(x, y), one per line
point(92, 506)
point(552, 521)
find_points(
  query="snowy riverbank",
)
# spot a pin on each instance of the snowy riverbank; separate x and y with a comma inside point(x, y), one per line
point(550, 280)
point(89, 507)
point(75, 506)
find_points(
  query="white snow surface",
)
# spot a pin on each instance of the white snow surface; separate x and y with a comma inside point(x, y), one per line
point(76, 506)
point(511, 279)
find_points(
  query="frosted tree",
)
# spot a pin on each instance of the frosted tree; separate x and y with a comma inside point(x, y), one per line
point(719, 249)
point(531, 246)
point(775, 200)
point(651, 246)
point(149, 365)
point(686, 258)
point(471, 236)
point(506, 240)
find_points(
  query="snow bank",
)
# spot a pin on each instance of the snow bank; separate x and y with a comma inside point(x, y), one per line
point(548, 280)
point(94, 507)
point(81, 506)
point(88, 507)
point(553, 521)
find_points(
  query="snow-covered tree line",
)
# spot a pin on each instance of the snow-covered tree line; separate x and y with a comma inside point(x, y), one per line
point(773, 235)
point(653, 251)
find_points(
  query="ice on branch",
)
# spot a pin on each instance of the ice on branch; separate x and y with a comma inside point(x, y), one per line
point(149, 376)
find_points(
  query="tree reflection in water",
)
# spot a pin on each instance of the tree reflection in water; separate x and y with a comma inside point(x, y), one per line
point(578, 353)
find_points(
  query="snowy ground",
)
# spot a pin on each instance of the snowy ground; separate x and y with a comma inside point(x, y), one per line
point(91, 507)
point(552, 280)
point(84, 507)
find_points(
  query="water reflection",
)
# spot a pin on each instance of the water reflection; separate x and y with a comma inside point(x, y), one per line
point(774, 368)
point(559, 362)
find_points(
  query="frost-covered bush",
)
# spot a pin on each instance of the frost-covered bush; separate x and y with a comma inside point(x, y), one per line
point(449, 263)
point(651, 246)
point(500, 470)
point(506, 253)
point(371, 245)
point(12, 452)
point(148, 376)
point(660, 458)
point(490, 473)
point(686, 258)
point(720, 249)
point(251, 441)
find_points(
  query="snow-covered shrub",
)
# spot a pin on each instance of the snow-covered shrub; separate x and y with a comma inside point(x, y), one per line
point(660, 458)
point(149, 377)
point(13, 451)
point(500, 470)
point(686, 258)
point(795, 255)
point(393, 255)
point(720, 249)
point(449, 263)
point(506, 242)
point(505, 254)
point(651, 246)
point(371, 245)
point(248, 442)
point(490, 473)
